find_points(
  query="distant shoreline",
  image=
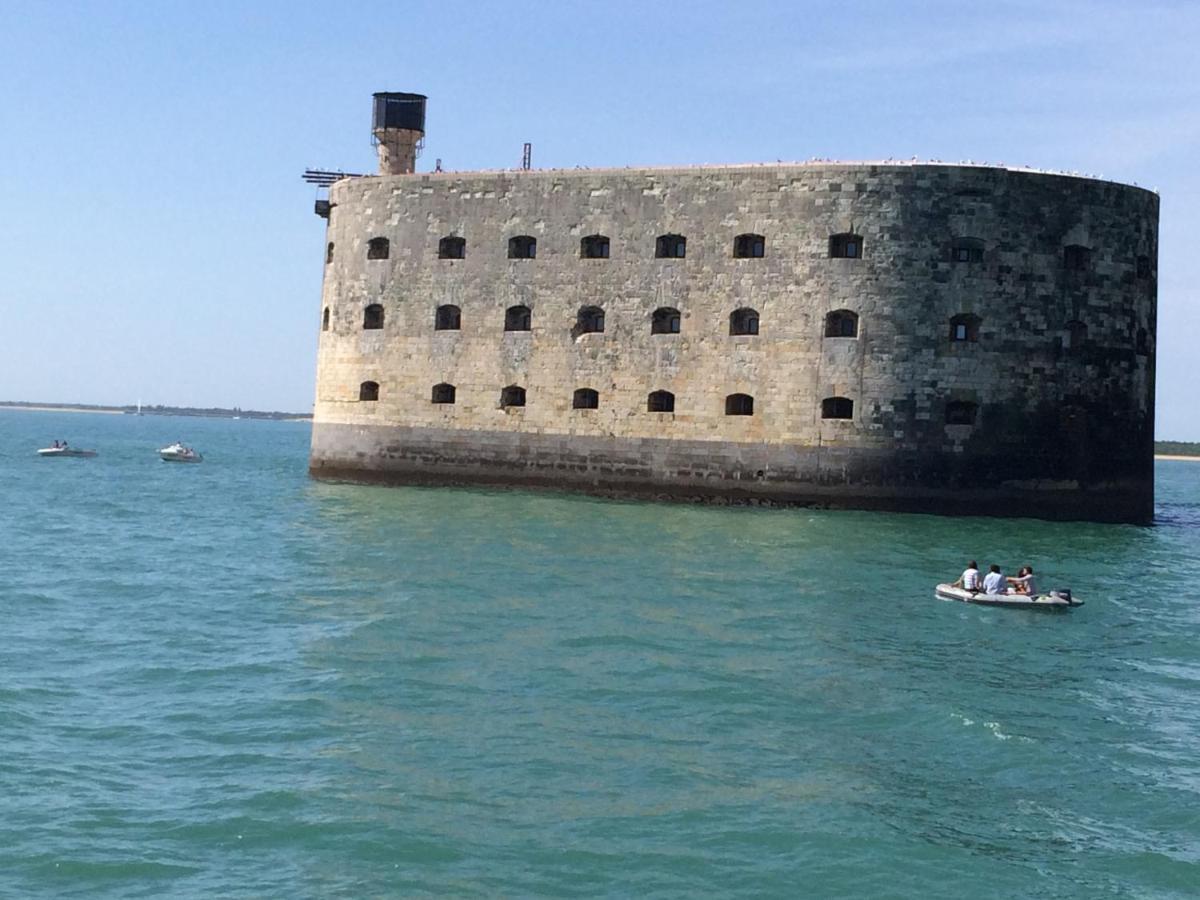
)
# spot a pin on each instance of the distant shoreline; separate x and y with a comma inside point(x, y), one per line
point(287, 417)
point(83, 409)
point(193, 412)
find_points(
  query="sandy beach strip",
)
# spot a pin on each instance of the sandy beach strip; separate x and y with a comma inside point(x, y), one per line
point(1175, 456)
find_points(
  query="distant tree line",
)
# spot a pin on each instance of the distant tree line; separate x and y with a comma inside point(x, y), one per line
point(159, 410)
point(216, 412)
point(1177, 448)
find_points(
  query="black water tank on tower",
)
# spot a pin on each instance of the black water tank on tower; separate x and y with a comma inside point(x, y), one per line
point(398, 110)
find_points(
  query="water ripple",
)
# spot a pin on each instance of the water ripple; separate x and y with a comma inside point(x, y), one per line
point(239, 682)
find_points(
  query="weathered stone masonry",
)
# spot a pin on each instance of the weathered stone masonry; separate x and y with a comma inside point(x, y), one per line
point(1059, 383)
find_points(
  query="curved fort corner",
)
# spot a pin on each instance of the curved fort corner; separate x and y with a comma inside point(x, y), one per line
point(952, 339)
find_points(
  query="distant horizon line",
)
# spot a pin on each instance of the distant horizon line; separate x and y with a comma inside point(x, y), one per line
point(231, 411)
point(153, 408)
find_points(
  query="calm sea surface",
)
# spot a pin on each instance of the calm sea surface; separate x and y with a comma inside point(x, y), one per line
point(230, 680)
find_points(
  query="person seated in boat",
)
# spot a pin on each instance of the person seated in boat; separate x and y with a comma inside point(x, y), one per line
point(993, 581)
point(56, 444)
point(1023, 583)
point(969, 579)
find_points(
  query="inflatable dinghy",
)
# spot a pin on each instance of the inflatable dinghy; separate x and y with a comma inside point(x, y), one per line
point(1054, 600)
point(67, 452)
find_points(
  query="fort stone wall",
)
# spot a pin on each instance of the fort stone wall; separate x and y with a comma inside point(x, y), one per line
point(1000, 359)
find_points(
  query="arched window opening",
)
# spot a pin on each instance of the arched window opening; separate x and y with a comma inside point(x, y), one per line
point(670, 246)
point(590, 320)
point(512, 396)
point(1076, 257)
point(1143, 266)
point(378, 248)
point(845, 246)
point(964, 328)
point(660, 401)
point(743, 321)
point(967, 250)
point(749, 246)
point(523, 246)
point(443, 393)
point(586, 398)
point(368, 391)
point(666, 320)
point(518, 318)
point(452, 247)
point(594, 246)
point(373, 317)
point(739, 405)
point(325, 319)
point(447, 318)
point(837, 408)
point(329, 253)
point(841, 323)
point(961, 412)
point(1076, 334)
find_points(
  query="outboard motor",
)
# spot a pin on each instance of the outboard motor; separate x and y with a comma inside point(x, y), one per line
point(1063, 593)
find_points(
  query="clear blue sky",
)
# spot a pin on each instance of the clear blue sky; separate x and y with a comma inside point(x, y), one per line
point(158, 242)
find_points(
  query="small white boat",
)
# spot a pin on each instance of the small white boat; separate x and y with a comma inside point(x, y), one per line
point(66, 451)
point(1061, 599)
point(178, 453)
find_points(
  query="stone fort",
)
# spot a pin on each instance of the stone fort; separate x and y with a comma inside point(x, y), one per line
point(964, 338)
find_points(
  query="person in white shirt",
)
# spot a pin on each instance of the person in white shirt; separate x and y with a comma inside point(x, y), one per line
point(993, 581)
point(1024, 583)
point(969, 580)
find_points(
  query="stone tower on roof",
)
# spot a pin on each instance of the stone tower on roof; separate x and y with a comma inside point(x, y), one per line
point(398, 130)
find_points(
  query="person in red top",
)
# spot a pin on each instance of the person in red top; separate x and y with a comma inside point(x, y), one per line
point(1023, 583)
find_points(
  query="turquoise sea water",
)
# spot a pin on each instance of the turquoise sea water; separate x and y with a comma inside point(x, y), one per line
point(230, 680)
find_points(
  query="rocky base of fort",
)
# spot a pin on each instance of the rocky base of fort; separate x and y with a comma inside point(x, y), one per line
point(759, 474)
